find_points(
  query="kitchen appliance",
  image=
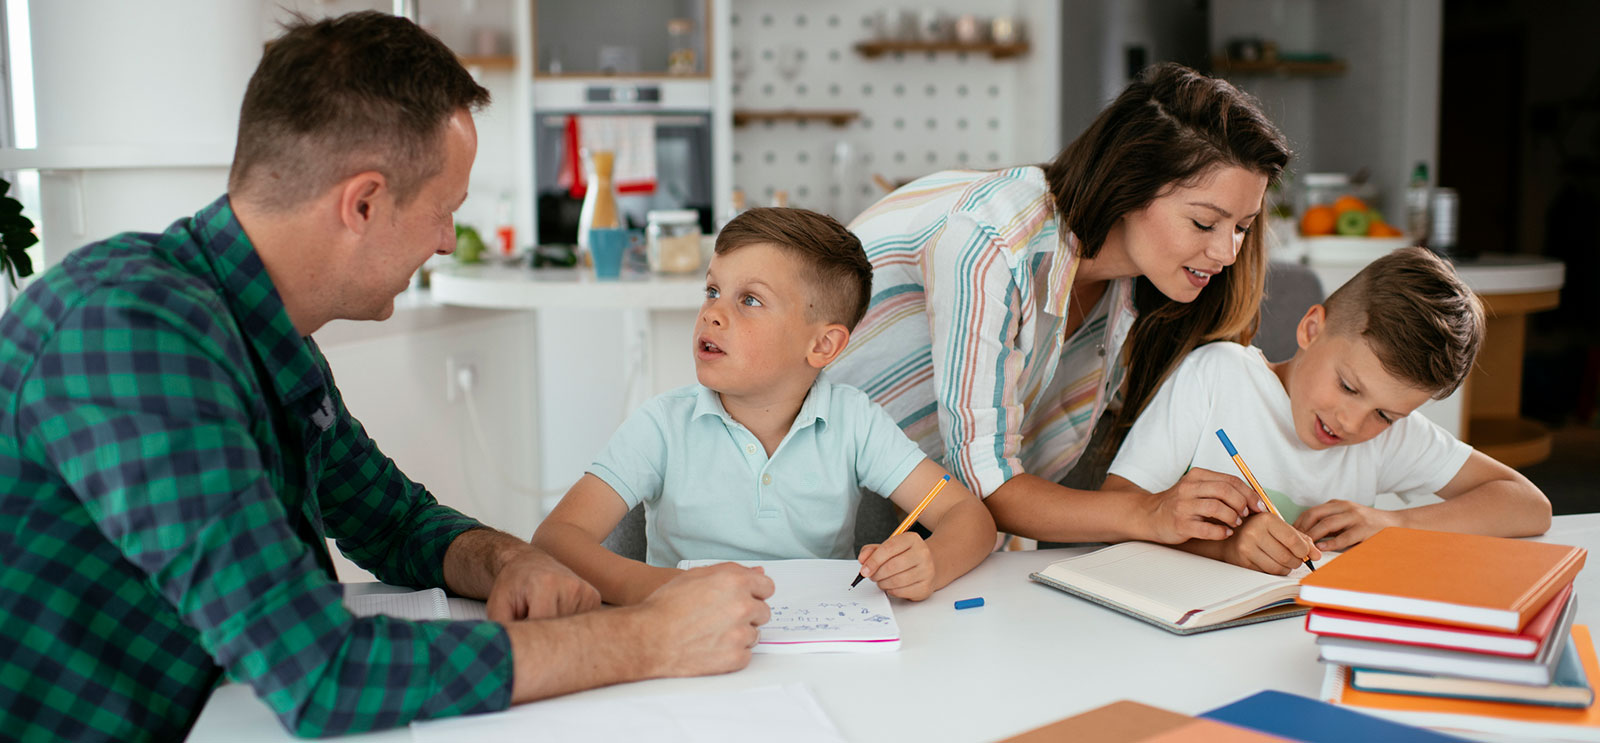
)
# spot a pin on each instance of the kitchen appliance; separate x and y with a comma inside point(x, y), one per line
point(680, 111)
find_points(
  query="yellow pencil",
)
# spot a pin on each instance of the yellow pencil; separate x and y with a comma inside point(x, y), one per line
point(1238, 461)
point(911, 518)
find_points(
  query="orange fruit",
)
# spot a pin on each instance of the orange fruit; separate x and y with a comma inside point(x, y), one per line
point(1318, 220)
point(1347, 203)
point(1383, 229)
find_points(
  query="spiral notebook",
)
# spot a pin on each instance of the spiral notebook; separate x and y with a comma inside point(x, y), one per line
point(814, 609)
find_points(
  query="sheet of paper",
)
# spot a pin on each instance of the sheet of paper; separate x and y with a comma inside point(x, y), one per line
point(775, 714)
point(814, 609)
point(414, 605)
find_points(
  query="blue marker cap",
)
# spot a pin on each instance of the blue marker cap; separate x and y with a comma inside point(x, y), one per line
point(970, 603)
point(1226, 444)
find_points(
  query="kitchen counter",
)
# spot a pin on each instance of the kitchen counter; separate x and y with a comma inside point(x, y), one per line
point(519, 287)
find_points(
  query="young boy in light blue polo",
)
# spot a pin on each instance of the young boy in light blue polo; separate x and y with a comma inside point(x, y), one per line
point(762, 460)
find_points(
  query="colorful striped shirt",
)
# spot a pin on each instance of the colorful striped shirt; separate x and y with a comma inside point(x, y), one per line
point(173, 456)
point(964, 342)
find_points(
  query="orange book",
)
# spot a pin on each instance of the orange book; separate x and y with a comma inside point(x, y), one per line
point(1477, 717)
point(1465, 580)
point(1132, 722)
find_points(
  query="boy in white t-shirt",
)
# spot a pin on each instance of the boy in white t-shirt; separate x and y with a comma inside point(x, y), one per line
point(1329, 430)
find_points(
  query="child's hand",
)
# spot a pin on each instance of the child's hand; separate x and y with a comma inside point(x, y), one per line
point(1202, 505)
point(902, 566)
point(1340, 524)
point(1268, 544)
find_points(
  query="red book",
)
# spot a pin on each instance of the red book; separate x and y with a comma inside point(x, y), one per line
point(1524, 644)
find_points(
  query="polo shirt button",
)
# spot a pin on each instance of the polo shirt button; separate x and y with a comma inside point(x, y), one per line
point(749, 448)
point(766, 479)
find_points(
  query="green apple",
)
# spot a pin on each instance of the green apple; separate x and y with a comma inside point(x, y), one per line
point(1353, 223)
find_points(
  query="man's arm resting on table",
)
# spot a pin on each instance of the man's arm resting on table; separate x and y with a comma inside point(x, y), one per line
point(703, 622)
point(516, 579)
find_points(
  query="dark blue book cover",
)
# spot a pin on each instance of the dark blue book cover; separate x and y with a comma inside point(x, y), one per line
point(1313, 721)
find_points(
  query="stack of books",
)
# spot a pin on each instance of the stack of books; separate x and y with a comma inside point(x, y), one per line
point(1465, 634)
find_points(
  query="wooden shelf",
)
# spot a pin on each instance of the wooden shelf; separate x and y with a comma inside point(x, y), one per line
point(874, 49)
point(496, 62)
point(1284, 68)
point(834, 116)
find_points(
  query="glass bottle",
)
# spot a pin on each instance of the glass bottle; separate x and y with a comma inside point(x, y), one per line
point(1417, 198)
point(600, 199)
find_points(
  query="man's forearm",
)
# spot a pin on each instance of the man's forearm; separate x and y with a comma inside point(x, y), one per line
point(475, 558)
point(559, 656)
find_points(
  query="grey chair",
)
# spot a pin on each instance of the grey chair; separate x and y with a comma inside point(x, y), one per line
point(875, 519)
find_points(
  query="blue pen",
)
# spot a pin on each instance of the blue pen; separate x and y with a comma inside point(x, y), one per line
point(1238, 461)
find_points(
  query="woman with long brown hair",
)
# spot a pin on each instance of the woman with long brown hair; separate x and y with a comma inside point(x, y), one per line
point(1012, 309)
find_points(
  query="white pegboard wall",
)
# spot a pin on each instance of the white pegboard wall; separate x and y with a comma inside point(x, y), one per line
point(920, 112)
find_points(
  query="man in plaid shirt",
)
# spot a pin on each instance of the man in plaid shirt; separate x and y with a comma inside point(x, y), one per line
point(174, 453)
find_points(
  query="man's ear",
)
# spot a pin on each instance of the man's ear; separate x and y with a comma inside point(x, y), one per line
point(1314, 323)
point(360, 197)
point(827, 346)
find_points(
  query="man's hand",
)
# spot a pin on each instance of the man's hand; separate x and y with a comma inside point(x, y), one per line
point(1340, 524)
point(533, 585)
point(1268, 544)
point(902, 566)
point(707, 620)
point(1202, 505)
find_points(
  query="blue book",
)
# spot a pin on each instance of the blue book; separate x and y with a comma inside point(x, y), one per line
point(1568, 688)
point(1312, 721)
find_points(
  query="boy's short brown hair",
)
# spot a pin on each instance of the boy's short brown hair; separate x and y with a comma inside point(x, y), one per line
point(1420, 319)
point(840, 277)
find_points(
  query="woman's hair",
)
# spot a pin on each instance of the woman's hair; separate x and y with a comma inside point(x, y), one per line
point(1172, 128)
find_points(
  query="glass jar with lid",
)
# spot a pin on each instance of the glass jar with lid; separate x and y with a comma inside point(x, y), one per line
point(673, 240)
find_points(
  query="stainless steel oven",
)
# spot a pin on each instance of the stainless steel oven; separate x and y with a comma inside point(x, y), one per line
point(680, 111)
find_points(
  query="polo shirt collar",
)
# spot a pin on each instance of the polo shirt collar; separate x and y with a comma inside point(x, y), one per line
point(813, 410)
point(255, 303)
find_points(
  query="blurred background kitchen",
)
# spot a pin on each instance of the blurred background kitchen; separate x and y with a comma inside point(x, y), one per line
point(1481, 114)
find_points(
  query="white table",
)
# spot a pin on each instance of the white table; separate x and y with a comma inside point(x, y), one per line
point(1029, 656)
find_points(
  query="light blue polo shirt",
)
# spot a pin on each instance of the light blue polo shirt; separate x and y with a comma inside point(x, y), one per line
point(711, 493)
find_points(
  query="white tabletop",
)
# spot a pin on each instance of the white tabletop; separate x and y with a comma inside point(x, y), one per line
point(1030, 655)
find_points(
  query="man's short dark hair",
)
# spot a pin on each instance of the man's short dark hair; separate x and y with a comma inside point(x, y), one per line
point(840, 276)
point(1421, 320)
point(341, 96)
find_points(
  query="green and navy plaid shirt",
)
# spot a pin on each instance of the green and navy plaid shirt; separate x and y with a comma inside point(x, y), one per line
point(172, 457)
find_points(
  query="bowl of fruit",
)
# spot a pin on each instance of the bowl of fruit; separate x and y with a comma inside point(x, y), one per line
point(1347, 230)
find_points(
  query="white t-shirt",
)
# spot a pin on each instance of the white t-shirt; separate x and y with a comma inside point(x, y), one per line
point(1229, 386)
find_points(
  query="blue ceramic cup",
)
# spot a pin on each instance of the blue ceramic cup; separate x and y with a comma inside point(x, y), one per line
point(606, 247)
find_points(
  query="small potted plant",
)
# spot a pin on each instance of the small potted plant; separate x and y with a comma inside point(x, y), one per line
point(16, 236)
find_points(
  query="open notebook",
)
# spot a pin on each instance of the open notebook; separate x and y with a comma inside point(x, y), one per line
point(814, 609)
point(1175, 590)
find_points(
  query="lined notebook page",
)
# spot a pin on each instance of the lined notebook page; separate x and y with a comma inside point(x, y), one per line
point(1173, 578)
point(414, 605)
point(814, 609)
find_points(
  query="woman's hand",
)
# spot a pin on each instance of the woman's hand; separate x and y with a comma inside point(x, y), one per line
point(1202, 505)
point(1266, 543)
point(1340, 524)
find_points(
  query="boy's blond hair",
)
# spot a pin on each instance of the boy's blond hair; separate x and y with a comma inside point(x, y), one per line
point(840, 276)
point(1419, 318)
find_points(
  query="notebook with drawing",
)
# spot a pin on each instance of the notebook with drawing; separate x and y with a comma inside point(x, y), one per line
point(1177, 591)
point(814, 610)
